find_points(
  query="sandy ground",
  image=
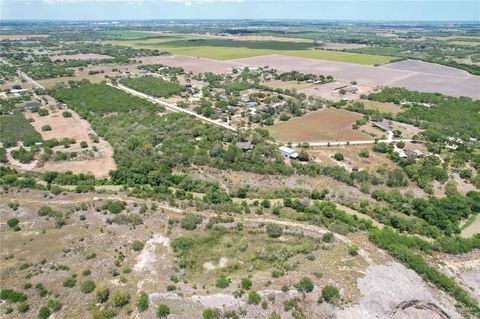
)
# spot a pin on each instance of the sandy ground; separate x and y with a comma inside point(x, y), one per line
point(86, 56)
point(324, 125)
point(330, 91)
point(414, 75)
point(80, 130)
point(386, 287)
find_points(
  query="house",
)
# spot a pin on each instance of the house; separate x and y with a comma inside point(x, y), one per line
point(288, 152)
point(245, 146)
point(384, 127)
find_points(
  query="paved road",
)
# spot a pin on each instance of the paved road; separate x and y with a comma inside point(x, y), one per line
point(171, 107)
point(24, 76)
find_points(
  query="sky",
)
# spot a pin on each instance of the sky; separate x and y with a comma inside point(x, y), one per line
point(379, 10)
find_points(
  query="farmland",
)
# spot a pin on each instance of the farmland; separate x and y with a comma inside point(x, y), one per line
point(225, 49)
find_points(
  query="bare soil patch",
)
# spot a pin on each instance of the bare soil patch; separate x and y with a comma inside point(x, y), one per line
point(331, 91)
point(80, 130)
point(192, 64)
point(290, 85)
point(325, 125)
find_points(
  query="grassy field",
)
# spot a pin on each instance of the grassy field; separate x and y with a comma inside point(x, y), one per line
point(227, 49)
point(153, 86)
point(16, 128)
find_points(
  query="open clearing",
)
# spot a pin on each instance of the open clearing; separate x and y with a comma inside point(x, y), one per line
point(351, 157)
point(290, 85)
point(324, 125)
point(331, 91)
point(225, 49)
point(86, 56)
point(413, 75)
point(80, 130)
point(382, 107)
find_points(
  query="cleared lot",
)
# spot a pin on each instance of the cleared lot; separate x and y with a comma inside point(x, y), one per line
point(324, 125)
point(191, 64)
point(86, 56)
point(413, 75)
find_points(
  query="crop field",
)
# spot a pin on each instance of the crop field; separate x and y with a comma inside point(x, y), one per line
point(16, 128)
point(225, 49)
point(321, 126)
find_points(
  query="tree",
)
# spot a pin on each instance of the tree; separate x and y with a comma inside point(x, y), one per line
point(305, 285)
point(330, 294)
point(142, 301)
point(274, 230)
point(163, 311)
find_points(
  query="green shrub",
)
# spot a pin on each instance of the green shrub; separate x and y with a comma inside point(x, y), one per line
point(142, 301)
point(67, 114)
point(274, 230)
point(23, 307)
point(211, 313)
point(163, 311)
point(305, 285)
point(12, 222)
point(87, 286)
point(137, 245)
point(54, 304)
point(364, 153)
point(44, 312)
point(353, 250)
point(328, 237)
point(105, 313)
point(86, 272)
point(120, 298)
point(338, 156)
point(190, 221)
point(102, 293)
point(246, 283)
point(254, 298)
point(69, 282)
point(330, 294)
point(12, 295)
point(222, 281)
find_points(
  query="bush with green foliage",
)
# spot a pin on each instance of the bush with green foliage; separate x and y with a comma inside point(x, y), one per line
point(246, 283)
point(330, 293)
point(44, 312)
point(274, 230)
point(12, 296)
point(254, 298)
point(87, 286)
point(305, 285)
point(102, 293)
point(137, 245)
point(222, 281)
point(163, 311)
point(142, 301)
point(120, 297)
point(190, 221)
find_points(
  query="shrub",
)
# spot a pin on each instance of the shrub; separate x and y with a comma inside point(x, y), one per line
point(304, 285)
point(23, 307)
point(44, 312)
point(246, 283)
point(106, 313)
point(211, 313)
point(54, 304)
point(67, 114)
point(274, 230)
point(222, 281)
point(86, 272)
point(190, 221)
point(338, 156)
point(328, 237)
point(120, 298)
point(83, 144)
point(69, 282)
point(163, 311)
point(12, 295)
point(102, 293)
point(87, 286)
point(142, 301)
point(254, 298)
point(353, 250)
point(364, 153)
point(137, 245)
point(46, 128)
point(330, 293)
point(171, 288)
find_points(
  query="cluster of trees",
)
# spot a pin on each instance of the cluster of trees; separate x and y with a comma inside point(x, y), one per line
point(153, 86)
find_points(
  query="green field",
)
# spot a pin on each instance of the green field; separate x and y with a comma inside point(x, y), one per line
point(225, 49)
point(15, 128)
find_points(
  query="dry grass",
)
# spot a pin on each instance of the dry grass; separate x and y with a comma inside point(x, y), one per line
point(321, 126)
point(290, 85)
point(382, 107)
point(86, 56)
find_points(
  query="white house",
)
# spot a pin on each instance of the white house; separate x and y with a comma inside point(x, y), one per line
point(288, 152)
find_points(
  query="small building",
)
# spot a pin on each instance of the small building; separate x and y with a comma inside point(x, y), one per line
point(245, 146)
point(288, 152)
point(383, 126)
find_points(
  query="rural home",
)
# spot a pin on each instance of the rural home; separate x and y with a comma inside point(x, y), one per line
point(384, 127)
point(288, 152)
